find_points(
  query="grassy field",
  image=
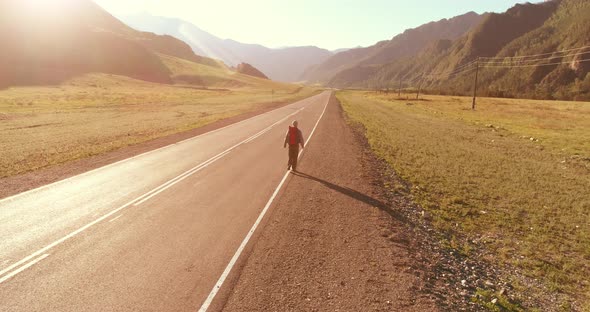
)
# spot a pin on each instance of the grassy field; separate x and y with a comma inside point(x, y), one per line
point(512, 176)
point(94, 114)
point(219, 77)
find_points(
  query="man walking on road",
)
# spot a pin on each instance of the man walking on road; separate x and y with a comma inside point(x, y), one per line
point(294, 138)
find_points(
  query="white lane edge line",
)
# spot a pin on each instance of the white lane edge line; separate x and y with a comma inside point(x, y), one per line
point(242, 246)
point(146, 153)
point(24, 267)
point(142, 198)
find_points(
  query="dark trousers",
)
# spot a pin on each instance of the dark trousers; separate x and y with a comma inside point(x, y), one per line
point(293, 153)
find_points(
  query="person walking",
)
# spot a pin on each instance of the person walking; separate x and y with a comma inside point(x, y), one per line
point(294, 138)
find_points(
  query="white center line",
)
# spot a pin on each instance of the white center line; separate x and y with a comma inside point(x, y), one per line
point(238, 252)
point(135, 202)
point(6, 199)
point(204, 165)
point(24, 267)
point(115, 218)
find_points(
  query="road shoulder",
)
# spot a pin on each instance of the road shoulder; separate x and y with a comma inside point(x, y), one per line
point(331, 242)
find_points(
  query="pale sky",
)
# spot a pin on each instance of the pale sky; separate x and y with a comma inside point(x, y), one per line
point(329, 24)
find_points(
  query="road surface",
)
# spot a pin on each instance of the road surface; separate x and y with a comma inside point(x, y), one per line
point(156, 232)
point(334, 241)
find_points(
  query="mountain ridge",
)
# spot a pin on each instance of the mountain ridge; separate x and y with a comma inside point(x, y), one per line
point(74, 37)
point(402, 45)
point(282, 64)
point(528, 29)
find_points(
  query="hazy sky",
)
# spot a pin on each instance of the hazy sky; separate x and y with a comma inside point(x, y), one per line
point(329, 24)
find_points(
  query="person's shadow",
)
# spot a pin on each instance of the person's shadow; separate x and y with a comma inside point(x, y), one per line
point(353, 194)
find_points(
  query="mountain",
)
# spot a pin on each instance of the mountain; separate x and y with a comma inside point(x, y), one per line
point(406, 44)
point(247, 69)
point(200, 41)
point(566, 28)
point(284, 64)
point(525, 29)
point(48, 42)
point(344, 49)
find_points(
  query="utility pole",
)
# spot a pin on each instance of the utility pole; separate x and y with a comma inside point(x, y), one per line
point(399, 90)
point(475, 84)
point(419, 87)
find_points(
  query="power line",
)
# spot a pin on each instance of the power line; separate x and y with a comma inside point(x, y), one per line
point(490, 62)
point(537, 60)
point(502, 62)
point(452, 74)
point(535, 65)
point(455, 71)
point(534, 55)
point(466, 65)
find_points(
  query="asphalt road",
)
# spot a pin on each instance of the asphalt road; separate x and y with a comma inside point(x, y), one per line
point(151, 233)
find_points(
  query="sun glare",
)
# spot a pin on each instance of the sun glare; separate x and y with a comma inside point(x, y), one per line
point(46, 5)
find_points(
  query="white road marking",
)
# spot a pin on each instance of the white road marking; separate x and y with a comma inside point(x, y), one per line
point(184, 176)
point(24, 267)
point(141, 199)
point(210, 161)
point(63, 239)
point(242, 246)
point(252, 138)
point(115, 218)
point(137, 156)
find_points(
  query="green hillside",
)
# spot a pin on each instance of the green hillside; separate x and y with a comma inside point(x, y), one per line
point(361, 60)
point(526, 29)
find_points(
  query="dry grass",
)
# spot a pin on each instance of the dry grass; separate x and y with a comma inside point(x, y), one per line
point(487, 183)
point(94, 114)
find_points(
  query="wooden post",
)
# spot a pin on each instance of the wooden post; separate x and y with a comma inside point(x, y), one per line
point(475, 85)
point(399, 91)
point(419, 87)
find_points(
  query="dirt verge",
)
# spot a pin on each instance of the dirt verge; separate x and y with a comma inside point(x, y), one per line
point(332, 242)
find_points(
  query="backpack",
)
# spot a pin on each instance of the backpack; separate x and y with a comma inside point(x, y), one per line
point(293, 132)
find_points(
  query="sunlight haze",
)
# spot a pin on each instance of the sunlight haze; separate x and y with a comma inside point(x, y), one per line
point(294, 155)
point(329, 24)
